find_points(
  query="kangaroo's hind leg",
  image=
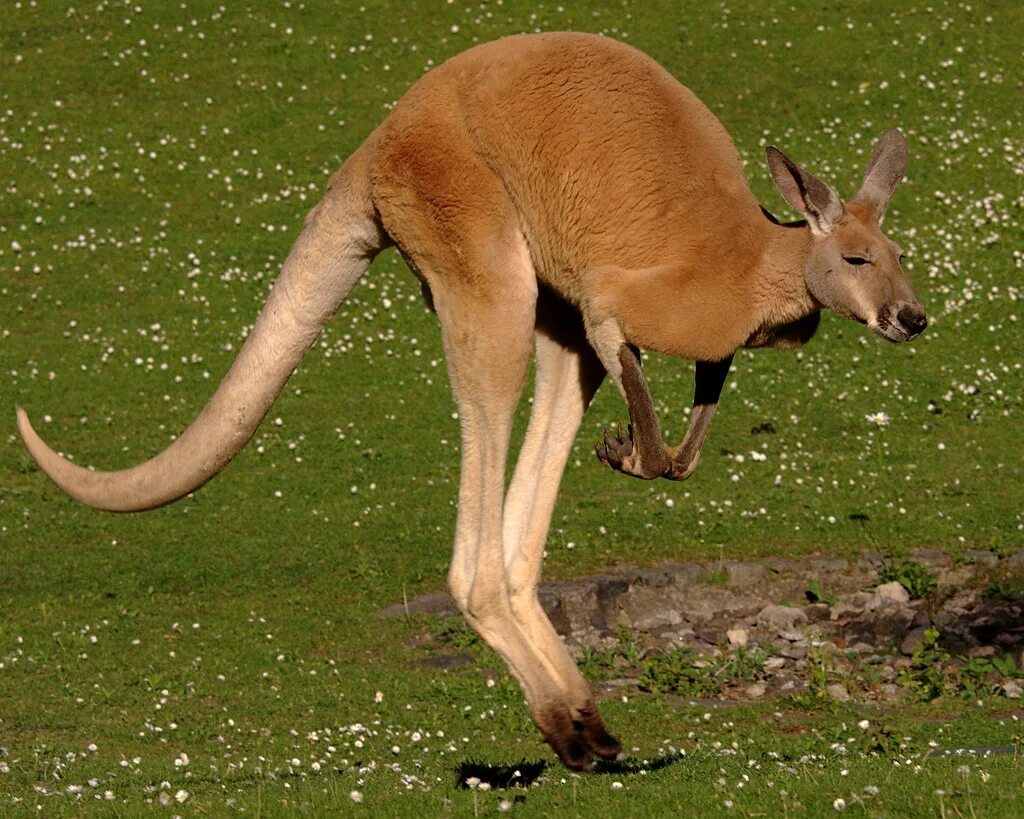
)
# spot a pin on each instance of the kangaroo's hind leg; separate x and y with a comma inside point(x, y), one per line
point(452, 220)
point(568, 375)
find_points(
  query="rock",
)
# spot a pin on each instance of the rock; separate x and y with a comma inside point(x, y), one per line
point(1016, 560)
point(983, 557)
point(774, 663)
point(757, 690)
point(781, 618)
point(870, 561)
point(818, 612)
point(838, 692)
point(742, 606)
point(882, 627)
point(913, 641)
point(893, 591)
point(737, 636)
point(890, 691)
point(932, 558)
point(822, 564)
point(669, 574)
point(793, 651)
point(745, 575)
point(962, 603)
point(783, 565)
point(647, 608)
point(851, 605)
point(792, 636)
point(1012, 689)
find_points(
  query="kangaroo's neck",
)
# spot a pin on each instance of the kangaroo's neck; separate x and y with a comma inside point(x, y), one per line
point(785, 313)
point(782, 286)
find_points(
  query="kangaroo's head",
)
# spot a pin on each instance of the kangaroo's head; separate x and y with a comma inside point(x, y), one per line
point(852, 267)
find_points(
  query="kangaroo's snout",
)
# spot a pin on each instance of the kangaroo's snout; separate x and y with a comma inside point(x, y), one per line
point(912, 318)
point(900, 321)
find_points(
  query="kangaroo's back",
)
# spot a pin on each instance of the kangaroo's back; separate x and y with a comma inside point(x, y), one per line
point(605, 156)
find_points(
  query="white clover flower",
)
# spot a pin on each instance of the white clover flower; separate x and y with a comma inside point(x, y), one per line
point(879, 419)
point(181, 795)
point(839, 804)
point(356, 796)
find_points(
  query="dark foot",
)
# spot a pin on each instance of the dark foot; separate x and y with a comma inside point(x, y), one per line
point(598, 741)
point(560, 733)
point(577, 740)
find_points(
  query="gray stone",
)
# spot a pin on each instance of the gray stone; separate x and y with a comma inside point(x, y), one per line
point(745, 575)
point(1012, 689)
point(913, 641)
point(756, 690)
point(838, 692)
point(737, 636)
point(890, 691)
point(982, 556)
point(684, 574)
point(1016, 560)
point(932, 558)
point(893, 591)
point(774, 663)
point(870, 561)
point(783, 565)
point(781, 618)
point(647, 608)
point(851, 605)
point(793, 651)
point(823, 564)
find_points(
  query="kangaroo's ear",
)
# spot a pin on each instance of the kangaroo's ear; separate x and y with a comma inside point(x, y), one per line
point(819, 204)
point(885, 170)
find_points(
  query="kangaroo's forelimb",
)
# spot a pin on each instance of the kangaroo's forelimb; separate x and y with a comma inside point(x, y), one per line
point(641, 452)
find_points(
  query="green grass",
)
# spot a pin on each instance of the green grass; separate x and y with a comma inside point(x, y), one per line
point(157, 159)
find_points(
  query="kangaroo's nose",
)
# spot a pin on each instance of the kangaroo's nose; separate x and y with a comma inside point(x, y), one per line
point(913, 318)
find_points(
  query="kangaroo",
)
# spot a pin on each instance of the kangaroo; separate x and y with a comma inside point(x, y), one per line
point(559, 195)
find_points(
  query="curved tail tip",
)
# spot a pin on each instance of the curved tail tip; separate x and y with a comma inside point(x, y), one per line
point(24, 426)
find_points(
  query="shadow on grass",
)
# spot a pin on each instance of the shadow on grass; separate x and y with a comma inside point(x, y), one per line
point(524, 774)
point(520, 774)
point(637, 766)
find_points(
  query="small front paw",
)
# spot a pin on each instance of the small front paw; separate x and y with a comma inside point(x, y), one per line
point(617, 449)
point(618, 452)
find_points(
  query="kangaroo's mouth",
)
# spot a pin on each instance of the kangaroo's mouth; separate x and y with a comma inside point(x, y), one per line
point(899, 322)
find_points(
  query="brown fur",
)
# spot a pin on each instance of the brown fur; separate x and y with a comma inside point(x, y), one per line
point(563, 194)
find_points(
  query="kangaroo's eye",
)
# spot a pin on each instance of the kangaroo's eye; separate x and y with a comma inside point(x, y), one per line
point(857, 261)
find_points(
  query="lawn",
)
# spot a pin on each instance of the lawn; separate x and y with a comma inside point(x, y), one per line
point(223, 654)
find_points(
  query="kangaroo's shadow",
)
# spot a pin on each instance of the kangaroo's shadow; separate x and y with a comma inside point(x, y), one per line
point(524, 774)
point(519, 774)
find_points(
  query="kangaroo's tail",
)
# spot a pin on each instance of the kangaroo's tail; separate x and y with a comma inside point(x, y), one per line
point(340, 239)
